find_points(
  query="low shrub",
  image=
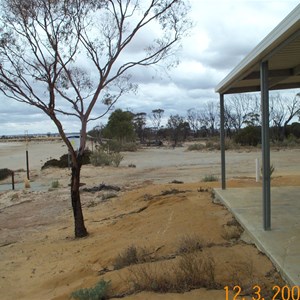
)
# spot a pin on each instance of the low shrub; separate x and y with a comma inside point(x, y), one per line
point(196, 147)
point(248, 136)
point(211, 145)
point(189, 244)
point(102, 158)
point(129, 147)
point(210, 178)
point(272, 169)
point(5, 173)
point(116, 159)
point(196, 270)
point(190, 271)
point(231, 233)
point(118, 146)
point(112, 146)
point(131, 256)
point(55, 184)
point(98, 292)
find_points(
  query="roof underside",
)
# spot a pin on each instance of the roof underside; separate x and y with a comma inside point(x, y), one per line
point(281, 48)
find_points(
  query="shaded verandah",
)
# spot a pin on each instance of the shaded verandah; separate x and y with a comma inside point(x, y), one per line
point(273, 65)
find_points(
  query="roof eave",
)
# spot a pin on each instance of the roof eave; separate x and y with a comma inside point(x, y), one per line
point(278, 35)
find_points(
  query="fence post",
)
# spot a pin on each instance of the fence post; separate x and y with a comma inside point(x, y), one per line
point(13, 180)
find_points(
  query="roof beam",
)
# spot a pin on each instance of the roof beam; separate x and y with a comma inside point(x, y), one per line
point(256, 87)
point(297, 70)
point(272, 73)
point(275, 80)
point(237, 90)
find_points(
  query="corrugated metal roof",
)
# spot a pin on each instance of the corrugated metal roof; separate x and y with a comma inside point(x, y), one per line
point(281, 48)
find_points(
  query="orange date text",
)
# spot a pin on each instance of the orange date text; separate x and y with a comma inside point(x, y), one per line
point(282, 293)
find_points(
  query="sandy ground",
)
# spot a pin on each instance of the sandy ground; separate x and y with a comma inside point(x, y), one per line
point(40, 259)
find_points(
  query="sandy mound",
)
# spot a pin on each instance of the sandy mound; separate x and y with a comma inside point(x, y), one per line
point(41, 260)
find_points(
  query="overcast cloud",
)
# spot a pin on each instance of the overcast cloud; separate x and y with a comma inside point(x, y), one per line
point(225, 32)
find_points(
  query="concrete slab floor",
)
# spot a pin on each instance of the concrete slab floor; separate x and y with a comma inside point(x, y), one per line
point(282, 243)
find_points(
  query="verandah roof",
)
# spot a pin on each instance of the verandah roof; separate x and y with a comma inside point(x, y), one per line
point(281, 48)
point(274, 64)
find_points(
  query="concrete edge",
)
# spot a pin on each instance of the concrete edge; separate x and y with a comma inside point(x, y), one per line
point(255, 240)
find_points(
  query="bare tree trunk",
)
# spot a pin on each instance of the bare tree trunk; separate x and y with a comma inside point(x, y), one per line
point(80, 230)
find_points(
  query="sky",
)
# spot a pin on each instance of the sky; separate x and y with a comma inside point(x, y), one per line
point(224, 32)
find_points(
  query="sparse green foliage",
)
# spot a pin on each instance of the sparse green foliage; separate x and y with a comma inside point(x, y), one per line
point(102, 158)
point(112, 146)
point(210, 178)
point(118, 146)
point(116, 159)
point(272, 169)
point(196, 147)
point(129, 147)
point(98, 292)
point(55, 184)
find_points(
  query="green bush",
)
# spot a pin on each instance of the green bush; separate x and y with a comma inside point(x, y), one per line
point(55, 184)
point(102, 158)
point(249, 136)
point(272, 169)
point(210, 178)
point(98, 292)
point(113, 146)
point(128, 257)
point(4, 173)
point(196, 147)
point(118, 146)
point(129, 147)
point(132, 255)
point(210, 145)
point(294, 129)
point(116, 159)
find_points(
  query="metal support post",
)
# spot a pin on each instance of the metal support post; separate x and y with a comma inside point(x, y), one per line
point(265, 146)
point(222, 141)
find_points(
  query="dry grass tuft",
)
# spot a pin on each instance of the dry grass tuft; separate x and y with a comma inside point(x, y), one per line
point(190, 271)
point(189, 244)
point(231, 233)
point(131, 256)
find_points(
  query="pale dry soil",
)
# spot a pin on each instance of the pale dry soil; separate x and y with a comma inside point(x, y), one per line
point(40, 259)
